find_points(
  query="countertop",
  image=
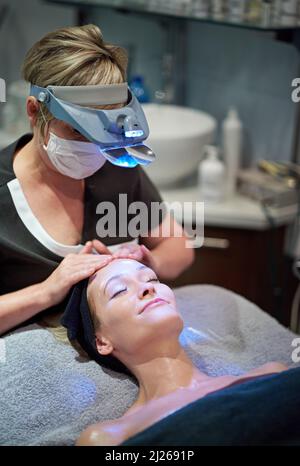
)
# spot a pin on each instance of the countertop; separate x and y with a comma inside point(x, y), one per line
point(235, 212)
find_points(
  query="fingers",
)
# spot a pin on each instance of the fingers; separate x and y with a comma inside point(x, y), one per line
point(137, 255)
point(94, 245)
point(129, 248)
point(82, 259)
point(121, 253)
point(147, 256)
point(83, 271)
point(100, 265)
point(145, 250)
point(72, 269)
point(130, 251)
point(82, 274)
point(100, 247)
point(150, 259)
point(87, 248)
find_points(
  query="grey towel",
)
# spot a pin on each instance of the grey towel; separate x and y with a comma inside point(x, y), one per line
point(49, 394)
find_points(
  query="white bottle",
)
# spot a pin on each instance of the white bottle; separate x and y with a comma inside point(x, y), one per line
point(232, 143)
point(211, 175)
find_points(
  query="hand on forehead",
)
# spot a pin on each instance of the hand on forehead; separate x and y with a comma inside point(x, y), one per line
point(118, 266)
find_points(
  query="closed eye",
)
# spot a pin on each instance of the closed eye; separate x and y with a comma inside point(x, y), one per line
point(125, 289)
point(118, 292)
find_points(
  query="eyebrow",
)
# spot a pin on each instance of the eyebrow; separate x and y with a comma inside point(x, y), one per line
point(142, 266)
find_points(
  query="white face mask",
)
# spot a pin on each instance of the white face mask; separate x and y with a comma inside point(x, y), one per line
point(75, 159)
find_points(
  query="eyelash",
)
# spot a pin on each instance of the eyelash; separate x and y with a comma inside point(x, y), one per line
point(121, 291)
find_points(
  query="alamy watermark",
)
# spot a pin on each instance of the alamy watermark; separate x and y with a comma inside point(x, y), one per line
point(296, 92)
point(2, 90)
point(140, 219)
point(296, 352)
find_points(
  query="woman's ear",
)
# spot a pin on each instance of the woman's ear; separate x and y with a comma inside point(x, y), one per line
point(103, 345)
point(32, 106)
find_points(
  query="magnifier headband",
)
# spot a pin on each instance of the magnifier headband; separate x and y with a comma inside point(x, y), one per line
point(111, 129)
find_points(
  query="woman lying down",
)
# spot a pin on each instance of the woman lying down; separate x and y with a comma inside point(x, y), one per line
point(128, 321)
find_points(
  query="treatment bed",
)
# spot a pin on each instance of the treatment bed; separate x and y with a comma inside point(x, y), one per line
point(49, 393)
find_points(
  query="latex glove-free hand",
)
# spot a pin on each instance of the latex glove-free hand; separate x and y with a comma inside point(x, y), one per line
point(138, 252)
point(72, 269)
point(99, 247)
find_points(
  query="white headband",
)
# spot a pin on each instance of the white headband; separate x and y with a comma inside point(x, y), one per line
point(92, 95)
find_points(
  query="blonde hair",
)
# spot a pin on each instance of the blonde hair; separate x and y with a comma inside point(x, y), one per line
point(73, 56)
point(60, 333)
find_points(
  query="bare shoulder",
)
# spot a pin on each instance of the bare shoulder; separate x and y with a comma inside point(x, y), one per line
point(268, 368)
point(103, 434)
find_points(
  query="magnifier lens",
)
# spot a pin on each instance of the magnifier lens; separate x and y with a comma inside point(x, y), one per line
point(141, 153)
point(120, 157)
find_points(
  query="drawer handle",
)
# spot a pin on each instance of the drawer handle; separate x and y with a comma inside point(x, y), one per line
point(217, 243)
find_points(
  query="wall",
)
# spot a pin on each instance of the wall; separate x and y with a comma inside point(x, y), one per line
point(252, 71)
point(27, 21)
point(24, 24)
point(142, 36)
point(225, 66)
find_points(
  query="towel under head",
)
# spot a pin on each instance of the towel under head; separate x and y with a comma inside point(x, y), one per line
point(78, 321)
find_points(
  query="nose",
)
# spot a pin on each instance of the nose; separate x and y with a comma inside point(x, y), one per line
point(146, 289)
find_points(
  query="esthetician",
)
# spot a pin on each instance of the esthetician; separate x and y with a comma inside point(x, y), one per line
point(52, 180)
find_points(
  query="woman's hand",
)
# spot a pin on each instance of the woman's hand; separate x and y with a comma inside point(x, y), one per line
point(98, 246)
point(138, 252)
point(73, 269)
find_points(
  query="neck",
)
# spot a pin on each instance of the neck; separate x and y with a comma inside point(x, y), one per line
point(30, 162)
point(166, 372)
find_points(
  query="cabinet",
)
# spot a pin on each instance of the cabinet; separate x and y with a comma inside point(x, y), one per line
point(242, 251)
point(249, 262)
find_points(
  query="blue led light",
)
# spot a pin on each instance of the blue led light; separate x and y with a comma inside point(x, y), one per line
point(125, 161)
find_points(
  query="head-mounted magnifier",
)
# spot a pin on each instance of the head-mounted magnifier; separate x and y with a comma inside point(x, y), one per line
point(119, 132)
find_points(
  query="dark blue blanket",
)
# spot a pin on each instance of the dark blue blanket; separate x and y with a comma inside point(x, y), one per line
point(265, 411)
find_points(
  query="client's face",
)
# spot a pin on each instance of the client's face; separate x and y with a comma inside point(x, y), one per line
point(133, 307)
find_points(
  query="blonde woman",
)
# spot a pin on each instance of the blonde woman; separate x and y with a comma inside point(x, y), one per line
point(49, 199)
point(128, 320)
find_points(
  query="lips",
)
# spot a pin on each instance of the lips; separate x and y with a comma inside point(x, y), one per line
point(153, 301)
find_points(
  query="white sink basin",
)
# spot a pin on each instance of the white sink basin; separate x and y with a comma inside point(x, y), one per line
point(177, 136)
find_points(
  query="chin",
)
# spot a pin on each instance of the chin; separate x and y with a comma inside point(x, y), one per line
point(170, 320)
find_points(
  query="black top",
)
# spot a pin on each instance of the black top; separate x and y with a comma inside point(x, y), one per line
point(24, 260)
point(263, 411)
